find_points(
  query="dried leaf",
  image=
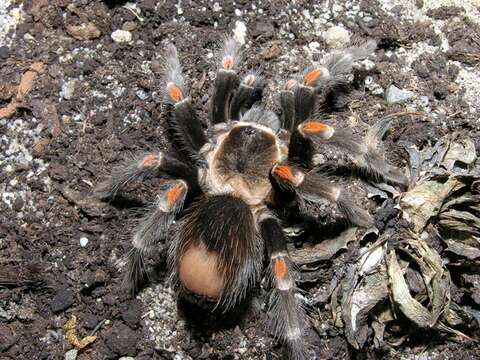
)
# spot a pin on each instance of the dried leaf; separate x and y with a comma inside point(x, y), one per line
point(23, 88)
point(84, 31)
point(460, 249)
point(382, 314)
point(47, 110)
point(26, 82)
point(324, 250)
point(357, 304)
point(462, 216)
point(461, 151)
point(401, 296)
point(88, 204)
point(364, 287)
point(425, 200)
point(9, 110)
point(72, 337)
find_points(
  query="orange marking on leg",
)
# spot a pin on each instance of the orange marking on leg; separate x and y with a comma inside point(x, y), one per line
point(174, 194)
point(290, 84)
point(311, 77)
point(249, 80)
point(280, 268)
point(284, 172)
point(227, 62)
point(315, 127)
point(174, 92)
point(149, 160)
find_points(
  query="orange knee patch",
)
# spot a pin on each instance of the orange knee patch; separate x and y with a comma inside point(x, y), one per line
point(280, 268)
point(249, 80)
point(284, 172)
point(149, 160)
point(227, 62)
point(290, 84)
point(174, 194)
point(311, 77)
point(174, 92)
point(315, 127)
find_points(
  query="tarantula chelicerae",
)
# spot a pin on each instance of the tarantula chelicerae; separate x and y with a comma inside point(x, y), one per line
point(238, 178)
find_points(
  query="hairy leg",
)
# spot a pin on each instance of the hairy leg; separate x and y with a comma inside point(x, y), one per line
point(151, 229)
point(313, 188)
point(183, 121)
point(144, 166)
point(288, 319)
point(225, 83)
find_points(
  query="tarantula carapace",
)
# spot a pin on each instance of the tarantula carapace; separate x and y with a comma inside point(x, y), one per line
point(240, 175)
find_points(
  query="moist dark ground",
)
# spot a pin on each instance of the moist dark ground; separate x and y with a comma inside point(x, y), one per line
point(55, 148)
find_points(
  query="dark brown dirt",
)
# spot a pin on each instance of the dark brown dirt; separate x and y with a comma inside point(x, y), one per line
point(46, 276)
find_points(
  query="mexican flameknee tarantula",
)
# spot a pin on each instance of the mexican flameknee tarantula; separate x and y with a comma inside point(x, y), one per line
point(239, 176)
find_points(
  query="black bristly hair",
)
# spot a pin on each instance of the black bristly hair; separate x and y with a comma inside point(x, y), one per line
point(287, 313)
point(183, 122)
point(225, 83)
point(151, 229)
point(224, 226)
point(248, 93)
point(287, 103)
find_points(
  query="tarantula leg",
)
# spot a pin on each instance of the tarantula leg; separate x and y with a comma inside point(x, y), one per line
point(314, 188)
point(288, 318)
point(332, 70)
point(225, 83)
point(300, 150)
point(247, 94)
point(287, 103)
point(147, 165)
point(305, 95)
point(151, 229)
point(216, 253)
point(183, 120)
point(352, 149)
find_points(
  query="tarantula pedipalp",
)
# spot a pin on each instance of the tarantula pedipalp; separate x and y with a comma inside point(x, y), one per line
point(237, 175)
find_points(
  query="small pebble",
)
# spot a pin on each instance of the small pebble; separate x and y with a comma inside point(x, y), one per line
point(68, 88)
point(142, 95)
point(336, 37)
point(122, 36)
point(71, 354)
point(83, 241)
point(394, 94)
point(129, 26)
point(240, 32)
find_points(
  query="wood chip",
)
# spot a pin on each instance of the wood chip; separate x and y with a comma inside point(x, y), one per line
point(84, 31)
point(26, 84)
point(70, 328)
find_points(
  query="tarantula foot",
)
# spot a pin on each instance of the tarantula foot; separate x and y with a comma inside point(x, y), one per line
point(135, 169)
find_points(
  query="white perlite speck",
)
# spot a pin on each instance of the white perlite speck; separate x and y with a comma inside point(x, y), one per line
point(68, 88)
point(83, 241)
point(122, 36)
point(336, 37)
point(240, 32)
point(9, 19)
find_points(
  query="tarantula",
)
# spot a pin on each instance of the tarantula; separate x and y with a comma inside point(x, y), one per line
point(239, 176)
